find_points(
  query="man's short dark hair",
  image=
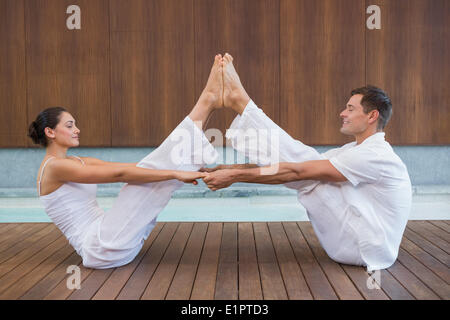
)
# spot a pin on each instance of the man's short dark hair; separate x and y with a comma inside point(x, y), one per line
point(375, 98)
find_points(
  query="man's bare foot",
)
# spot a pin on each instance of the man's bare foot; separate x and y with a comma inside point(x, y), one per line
point(234, 94)
point(212, 94)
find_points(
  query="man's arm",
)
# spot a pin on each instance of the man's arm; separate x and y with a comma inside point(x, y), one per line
point(280, 173)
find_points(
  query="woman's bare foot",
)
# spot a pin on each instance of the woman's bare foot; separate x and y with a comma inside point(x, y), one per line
point(211, 97)
point(213, 92)
point(234, 94)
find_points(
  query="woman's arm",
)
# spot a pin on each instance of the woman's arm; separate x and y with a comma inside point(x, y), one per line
point(64, 170)
point(98, 162)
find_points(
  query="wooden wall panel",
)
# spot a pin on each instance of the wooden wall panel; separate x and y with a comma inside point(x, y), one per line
point(152, 63)
point(249, 31)
point(13, 121)
point(322, 60)
point(409, 58)
point(70, 68)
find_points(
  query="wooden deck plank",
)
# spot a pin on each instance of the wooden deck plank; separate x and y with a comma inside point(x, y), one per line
point(5, 247)
point(138, 281)
point(159, 284)
point(249, 278)
point(5, 227)
point(271, 280)
point(119, 277)
point(24, 242)
point(49, 282)
point(205, 280)
point(18, 270)
point(360, 278)
point(340, 281)
point(424, 274)
point(427, 246)
point(316, 279)
point(426, 259)
point(183, 280)
point(431, 233)
point(227, 270)
point(91, 284)
point(11, 258)
point(413, 284)
point(392, 287)
point(61, 291)
point(294, 280)
point(26, 282)
point(18, 232)
point(441, 224)
point(212, 261)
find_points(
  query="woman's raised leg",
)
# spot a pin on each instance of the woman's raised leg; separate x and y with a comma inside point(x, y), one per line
point(119, 235)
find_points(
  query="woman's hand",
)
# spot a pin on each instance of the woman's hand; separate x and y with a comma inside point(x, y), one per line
point(189, 176)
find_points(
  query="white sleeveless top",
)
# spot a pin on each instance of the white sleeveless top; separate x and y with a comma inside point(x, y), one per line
point(72, 208)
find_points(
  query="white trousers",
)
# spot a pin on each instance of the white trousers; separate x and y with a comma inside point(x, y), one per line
point(264, 142)
point(117, 236)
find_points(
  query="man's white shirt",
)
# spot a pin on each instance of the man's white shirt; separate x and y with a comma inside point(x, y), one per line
point(373, 205)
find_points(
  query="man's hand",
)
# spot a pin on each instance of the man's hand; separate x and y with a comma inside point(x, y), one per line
point(219, 179)
point(230, 166)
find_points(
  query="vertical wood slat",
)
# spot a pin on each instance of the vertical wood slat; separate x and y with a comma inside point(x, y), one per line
point(70, 68)
point(249, 31)
point(152, 69)
point(13, 93)
point(205, 280)
point(415, 39)
point(322, 60)
point(227, 270)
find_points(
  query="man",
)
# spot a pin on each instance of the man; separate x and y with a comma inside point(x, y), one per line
point(358, 196)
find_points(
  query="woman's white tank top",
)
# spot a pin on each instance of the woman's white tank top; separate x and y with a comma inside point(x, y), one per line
point(72, 207)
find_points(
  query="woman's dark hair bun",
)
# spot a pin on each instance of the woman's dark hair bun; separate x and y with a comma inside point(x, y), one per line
point(48, 118)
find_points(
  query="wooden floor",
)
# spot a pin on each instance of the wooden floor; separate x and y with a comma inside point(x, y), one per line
point(223, 261)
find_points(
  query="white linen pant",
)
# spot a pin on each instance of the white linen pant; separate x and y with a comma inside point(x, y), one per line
point(119, 234)
point(264, 143)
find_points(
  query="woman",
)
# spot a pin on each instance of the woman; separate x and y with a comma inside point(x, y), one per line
point(67, 185)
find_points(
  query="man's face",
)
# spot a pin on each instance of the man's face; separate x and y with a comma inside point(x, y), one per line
point(354, 120)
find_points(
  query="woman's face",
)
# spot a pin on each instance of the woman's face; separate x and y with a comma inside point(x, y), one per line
point(66, 133)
